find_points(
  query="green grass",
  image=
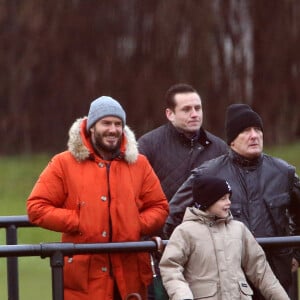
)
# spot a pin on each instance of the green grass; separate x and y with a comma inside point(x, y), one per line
point(17, 177)
point(290, 153)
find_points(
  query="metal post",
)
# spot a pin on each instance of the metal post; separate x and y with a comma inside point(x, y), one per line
point(57, 265)
point(12, 265)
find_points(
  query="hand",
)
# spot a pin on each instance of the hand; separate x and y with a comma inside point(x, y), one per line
point(295, 265)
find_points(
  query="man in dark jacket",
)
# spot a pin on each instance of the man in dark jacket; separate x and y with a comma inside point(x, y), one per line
point(266, 190)
point(180, 145)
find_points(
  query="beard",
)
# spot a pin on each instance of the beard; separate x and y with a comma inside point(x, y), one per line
point(99, 142)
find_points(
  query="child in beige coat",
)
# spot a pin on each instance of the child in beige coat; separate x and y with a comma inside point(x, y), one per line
point(211, 256)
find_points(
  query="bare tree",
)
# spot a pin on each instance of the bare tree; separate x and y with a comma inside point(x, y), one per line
point(56, 56)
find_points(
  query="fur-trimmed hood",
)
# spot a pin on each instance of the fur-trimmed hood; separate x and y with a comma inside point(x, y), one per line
point(80, 147)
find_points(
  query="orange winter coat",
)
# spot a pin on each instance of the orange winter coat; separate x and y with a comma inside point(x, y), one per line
point(91, 200)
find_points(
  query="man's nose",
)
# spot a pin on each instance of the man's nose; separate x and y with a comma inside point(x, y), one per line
point(112, 127)
point(254, 132)
point(194, 112)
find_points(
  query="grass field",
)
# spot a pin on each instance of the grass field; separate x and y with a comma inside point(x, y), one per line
point(17, 177)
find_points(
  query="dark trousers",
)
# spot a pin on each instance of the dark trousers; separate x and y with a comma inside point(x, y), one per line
point(293, 291)
point(150, 292)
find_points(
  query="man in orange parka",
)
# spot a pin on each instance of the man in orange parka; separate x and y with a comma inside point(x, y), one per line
point(101, 190)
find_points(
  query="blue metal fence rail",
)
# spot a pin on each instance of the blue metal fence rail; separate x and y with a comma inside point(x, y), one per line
point(57, 251)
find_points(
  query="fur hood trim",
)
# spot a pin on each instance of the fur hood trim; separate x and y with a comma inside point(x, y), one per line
point(77, 142)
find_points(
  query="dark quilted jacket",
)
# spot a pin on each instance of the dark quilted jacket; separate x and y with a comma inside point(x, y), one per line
point(173, 156)
point(265, 197)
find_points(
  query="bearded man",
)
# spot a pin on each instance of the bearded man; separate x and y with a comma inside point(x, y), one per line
point(101, 190)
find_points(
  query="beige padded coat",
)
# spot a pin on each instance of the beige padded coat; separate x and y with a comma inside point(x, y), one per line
point(207, 258)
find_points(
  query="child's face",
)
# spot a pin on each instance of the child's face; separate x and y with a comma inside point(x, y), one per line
point(221, 207)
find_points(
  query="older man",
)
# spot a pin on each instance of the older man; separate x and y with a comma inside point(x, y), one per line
point(266, 190)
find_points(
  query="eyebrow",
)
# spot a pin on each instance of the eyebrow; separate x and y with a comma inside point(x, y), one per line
point(191, 106)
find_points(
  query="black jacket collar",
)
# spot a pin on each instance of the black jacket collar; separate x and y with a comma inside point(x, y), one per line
point(199, 137)
point(243, 161)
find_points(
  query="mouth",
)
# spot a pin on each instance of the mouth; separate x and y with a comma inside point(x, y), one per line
point(111, 139)
point(194, 122)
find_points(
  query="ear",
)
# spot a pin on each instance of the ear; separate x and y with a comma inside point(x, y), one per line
point(170, 114)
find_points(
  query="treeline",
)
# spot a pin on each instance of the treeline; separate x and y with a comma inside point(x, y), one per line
point(56, 56)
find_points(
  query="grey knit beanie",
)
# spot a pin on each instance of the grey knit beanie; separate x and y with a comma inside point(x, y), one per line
point(102, 107)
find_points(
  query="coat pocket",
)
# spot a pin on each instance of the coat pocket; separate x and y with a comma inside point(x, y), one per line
point(204, 290)
point(277, 207)
point(245, 289)
point(76, 270)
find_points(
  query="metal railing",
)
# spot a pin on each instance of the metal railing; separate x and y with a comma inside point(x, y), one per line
point(57, 251)
point(11, 224)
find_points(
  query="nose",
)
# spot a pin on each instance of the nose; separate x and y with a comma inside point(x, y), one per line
point(254, 132)
point(228, 199)
point(194, 112)
point(113, 128)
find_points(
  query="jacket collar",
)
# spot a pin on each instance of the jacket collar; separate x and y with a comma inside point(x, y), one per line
point(244, 162)
point(80, 146)
point(200, 136)
point(195, 214)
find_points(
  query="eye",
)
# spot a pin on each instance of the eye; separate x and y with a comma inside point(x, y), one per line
point(186, 109)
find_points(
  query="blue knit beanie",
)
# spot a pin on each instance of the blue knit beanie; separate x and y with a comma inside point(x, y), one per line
point(102, 107)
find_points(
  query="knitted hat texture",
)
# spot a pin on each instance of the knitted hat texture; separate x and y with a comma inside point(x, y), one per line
point(238, 118)
point(209, 189)
point(103, 107)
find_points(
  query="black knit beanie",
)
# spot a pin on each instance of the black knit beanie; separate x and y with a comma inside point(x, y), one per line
point(238, 118)
point(209, 189)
